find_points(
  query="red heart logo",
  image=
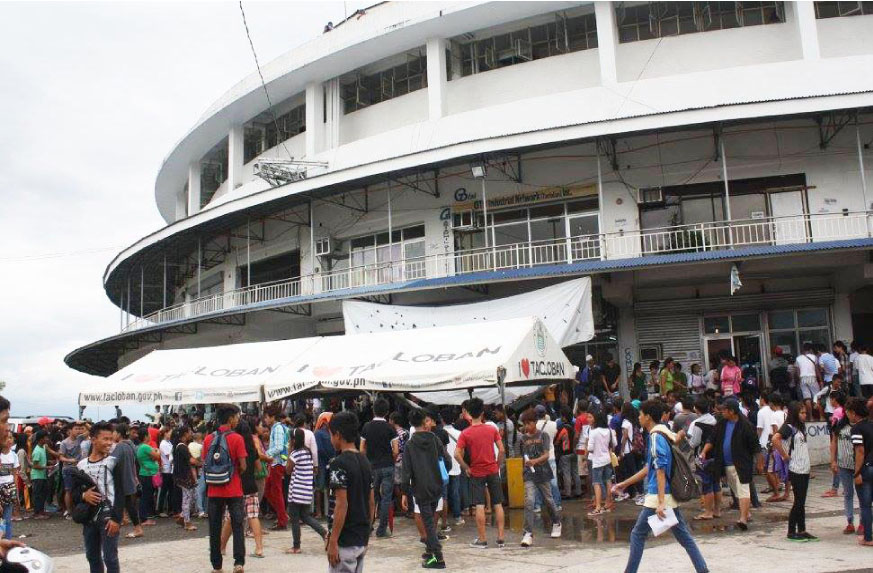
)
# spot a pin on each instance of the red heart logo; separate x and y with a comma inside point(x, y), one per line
point(525, 367)
point(326, 371)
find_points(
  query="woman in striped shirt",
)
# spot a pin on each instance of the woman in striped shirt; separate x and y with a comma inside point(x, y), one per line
point(790, 443)
point(299, 466)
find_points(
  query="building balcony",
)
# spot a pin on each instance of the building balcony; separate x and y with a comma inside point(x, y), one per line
point(652, 244)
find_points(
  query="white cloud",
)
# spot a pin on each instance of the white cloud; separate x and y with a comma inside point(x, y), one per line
point(93, 98)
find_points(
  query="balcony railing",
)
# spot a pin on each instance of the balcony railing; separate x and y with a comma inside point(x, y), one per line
point(700, 237)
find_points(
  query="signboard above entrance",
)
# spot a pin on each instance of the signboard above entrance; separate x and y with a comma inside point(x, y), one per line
point(468, 200)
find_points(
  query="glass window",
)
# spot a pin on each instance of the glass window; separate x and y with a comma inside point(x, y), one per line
point(507, 216)
point(547, 229)
point(780, 319)
point(785, 340)
point(816, 336)
point(812, 317)
point(716, 325)
point(583, 225)
point(510, 234)
point(547, 211)
point(661, 19)
point(745, 322)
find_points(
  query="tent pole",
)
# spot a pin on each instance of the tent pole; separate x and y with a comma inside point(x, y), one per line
point(501, 382)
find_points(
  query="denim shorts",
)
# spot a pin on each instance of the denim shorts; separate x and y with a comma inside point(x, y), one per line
point(67, 475)
point(708, 483)
point(602, 475)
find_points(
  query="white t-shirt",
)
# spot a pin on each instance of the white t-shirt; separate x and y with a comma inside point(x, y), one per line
point(8, 462)
point(599, 442)
point(101, 473)
point(864, 364)
point(166, 449)
point(806, 365)
point(454, 434)
point(765, 424)
point(310, 443)
point(550, 429)
point(628, 428)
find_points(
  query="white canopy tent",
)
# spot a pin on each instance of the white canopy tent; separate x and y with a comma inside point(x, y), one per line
point(229, 373)
point(565, 308)
point(427, 359)
point(489, 395)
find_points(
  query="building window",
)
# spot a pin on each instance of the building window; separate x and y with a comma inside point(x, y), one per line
point(648, 20)
point(842, 9)
point(564, 35)
point(791, 329)
point(263, 133)
point(360, 90)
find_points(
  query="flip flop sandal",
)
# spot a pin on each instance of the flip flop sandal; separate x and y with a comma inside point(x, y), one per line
point(132, 536)
point(702, 517)
point(256, 555)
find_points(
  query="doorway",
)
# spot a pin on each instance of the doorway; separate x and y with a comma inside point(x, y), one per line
point(747, 348)
point(714, 347)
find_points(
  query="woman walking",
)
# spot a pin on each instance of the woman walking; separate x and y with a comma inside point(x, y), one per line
point(299, 466)
point(601, 441)
point(184, 475)
point(167, 495)
point(790, 442)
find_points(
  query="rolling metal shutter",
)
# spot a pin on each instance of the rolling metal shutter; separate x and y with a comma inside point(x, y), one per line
point(761, 301)
point(678, 334)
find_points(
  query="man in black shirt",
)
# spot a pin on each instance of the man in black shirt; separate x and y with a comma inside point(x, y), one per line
point(380, 444)
point(862, 442)
point(611, 373)
point(352, 505)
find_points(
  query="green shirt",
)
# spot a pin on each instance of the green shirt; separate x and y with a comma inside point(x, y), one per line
point(38, 458)
point(147, 465)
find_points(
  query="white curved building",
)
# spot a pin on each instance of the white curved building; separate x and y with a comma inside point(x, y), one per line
point(650, 145)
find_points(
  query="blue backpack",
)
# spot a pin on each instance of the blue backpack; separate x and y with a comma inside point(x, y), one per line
point(218, 466)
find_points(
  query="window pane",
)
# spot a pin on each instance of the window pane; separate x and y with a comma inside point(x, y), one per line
point(506, 216)
point(545, 230)
point(817, 336)
point(547, 211)
point(716, 324)
point(413, 232)
point(812, 317)
point(780, 319)
point(784, 340)
point(509, 234)
point(745, 322)
point(581, 226)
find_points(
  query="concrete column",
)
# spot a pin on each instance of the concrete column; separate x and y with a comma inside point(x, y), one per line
point(181, 205)
point(193, 188)
point(628, 350)
point(334, 105)
point(436, 77)
point(235, 155)
point(842, 312)
point(607, 39)
point(804, 15)
point(314, 119)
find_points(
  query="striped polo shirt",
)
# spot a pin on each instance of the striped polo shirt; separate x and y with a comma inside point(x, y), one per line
point(300, 487)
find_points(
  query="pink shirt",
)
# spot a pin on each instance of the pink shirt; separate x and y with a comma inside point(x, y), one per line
point(731, 377)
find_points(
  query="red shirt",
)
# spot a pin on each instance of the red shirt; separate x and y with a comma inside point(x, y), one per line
point(479, 440)
point(237, 449)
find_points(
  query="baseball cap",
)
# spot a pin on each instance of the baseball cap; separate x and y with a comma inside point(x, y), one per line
point(540, 409)
point(588, 358)
point(777, 351)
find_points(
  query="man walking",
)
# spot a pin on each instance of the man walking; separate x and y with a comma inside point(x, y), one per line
point(422, 475)
point(225, 492)
point(352, 505)
point(278, 451)
point(101, 533)
point(657, 473)
point(479, 439)
point(735, 445)
point(379, 442)
point(535, 446)
point(127, 486)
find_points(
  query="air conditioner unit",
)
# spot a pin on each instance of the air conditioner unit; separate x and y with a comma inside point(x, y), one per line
point(651, 195)
point(322, 246)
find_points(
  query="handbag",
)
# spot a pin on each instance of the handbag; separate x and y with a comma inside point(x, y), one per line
point(613, 459)
point(157, 480)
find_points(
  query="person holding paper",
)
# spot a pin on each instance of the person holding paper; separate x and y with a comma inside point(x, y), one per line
point(656, 473)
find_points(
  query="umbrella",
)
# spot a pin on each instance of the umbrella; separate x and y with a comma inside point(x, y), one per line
point(45, 420)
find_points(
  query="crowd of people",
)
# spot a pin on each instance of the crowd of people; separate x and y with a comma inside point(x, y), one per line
point(362, 463)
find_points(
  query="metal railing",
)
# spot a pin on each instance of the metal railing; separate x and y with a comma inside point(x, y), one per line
point(699, 237)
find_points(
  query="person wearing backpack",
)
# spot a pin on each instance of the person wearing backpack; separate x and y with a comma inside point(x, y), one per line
point(657, 474)
point(224, 461)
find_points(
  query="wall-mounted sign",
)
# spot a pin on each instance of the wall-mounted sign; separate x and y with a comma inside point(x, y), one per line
point(466, 200)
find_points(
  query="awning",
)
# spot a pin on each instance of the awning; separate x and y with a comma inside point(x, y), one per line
point(490, 395)
point(426, 359)
point(564, 308)
point(229, 373)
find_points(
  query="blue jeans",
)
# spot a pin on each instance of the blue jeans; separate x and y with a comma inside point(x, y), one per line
point(556, 493)
point(865, 500)
point(7, 522)
point(97, 541)
point(383, 486)
point(455, 496)
point(680, 532)
point(847, 479)
point(464, 491)
point(200, 493)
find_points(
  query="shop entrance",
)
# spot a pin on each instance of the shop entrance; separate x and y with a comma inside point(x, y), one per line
point(746, 347)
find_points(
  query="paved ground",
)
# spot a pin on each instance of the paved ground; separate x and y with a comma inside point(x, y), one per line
point(587, 545)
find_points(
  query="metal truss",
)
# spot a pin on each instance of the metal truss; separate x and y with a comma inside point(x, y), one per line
point(831, 124)
point(237, 319)
point(379, 298)
point(295, 309)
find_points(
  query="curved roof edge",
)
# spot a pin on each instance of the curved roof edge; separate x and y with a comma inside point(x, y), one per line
point(384, 30)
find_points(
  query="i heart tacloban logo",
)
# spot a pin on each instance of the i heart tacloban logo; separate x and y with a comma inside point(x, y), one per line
point(525, 367)
point(326, 371)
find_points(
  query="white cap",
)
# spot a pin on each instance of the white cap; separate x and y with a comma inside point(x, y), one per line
point(589, 358)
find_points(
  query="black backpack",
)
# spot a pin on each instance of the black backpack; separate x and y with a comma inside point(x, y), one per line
point(683, 481)
point(218, 466)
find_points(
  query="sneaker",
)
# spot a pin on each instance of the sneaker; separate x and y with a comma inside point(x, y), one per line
point(808, 536)
point(501, 544)
point(797, 538)
point(622, 497)
point(527, 540)
point(641, 500)
point(433, 563)
point(556, 531)
point(446, 529)
point(385, 535)
point(476, 544)
point(538, 510)
point(202, 515)
point(849, 529)
point(442, 536)
point(460, 521)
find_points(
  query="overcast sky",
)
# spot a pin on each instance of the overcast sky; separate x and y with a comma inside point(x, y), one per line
point(93, 96)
